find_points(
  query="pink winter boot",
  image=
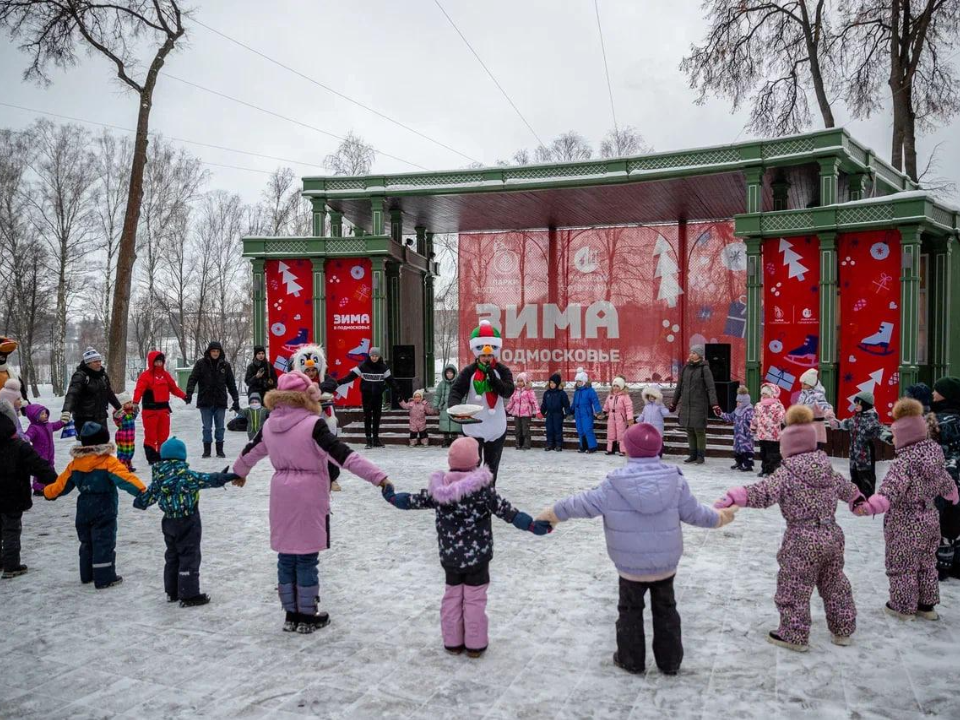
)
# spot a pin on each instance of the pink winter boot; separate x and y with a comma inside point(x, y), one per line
point(475, 619)
point(451, 619)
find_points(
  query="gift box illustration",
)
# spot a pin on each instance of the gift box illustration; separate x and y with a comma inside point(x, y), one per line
point(781, 378)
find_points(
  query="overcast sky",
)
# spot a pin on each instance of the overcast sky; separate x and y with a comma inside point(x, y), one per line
point(405, 60)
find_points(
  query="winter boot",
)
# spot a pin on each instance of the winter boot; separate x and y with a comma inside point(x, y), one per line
point(906, 617)
point(424, 442)
point(151, 454)
point(369, 444)
point(376, 441)
point(171, 598)
point(310, 620)
point(291, 622)
point(582, 447)
point(926, 612)
point(113, 583)
point(692, 457)
point(220, 453)
point(334, 486)
point(614, 449)
point(195, 601)
point(738, 462)
point(14, 572)
point(634, 671)
point(206, 450)
point(775, 639)
point(413, 442)
point(879, 342)
point(841, 640)
point(700, 458)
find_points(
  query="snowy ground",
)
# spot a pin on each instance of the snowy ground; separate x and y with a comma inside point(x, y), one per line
point(71, 651)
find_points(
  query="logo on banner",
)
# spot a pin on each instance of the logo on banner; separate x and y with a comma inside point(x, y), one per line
point(586, 260)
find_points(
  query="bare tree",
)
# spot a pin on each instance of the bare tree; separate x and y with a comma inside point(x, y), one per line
point(569, 147)
point(521, 157)
point(908, 44)
point(352, 157)
point(53, 32)
point(65, 217)
point(175, 293)
point(112, 157)
point(542, 154)
point(769, 53)
point(623, 142)
point(282, 210)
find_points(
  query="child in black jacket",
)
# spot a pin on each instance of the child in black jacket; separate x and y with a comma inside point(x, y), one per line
point(464, 500)
point(555, 406)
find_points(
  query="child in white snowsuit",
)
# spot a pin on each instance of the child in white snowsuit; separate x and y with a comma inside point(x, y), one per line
point(814, 397)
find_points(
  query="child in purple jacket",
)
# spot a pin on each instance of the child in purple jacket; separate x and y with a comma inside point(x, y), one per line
point(742, 418)
point(40, 435)
point(643, 504)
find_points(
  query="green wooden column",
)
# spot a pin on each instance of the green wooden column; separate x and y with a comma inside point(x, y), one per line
point(855, 183)
point(828, 314)
point(754, 177)
point(393, 308)
point(319, 301)
point(379, 302)
point(396, 225)
point(421, 240)
point(940, 299)
point(429, 309)
point(259, 303)
point(781, 192)
point(336, 223)
point(754, 314)
point(909, 303)
point(376, 214)
point(319, 216)
point(829, 180)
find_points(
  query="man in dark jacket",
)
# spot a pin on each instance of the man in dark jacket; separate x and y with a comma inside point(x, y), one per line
point(214, 376)
point(261, 378)
point(375, 377)
point(944, 424)
point(694, 397)
point(18, 461)
point(89, 393)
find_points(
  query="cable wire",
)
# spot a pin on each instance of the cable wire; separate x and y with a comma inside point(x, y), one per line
point(606, 70)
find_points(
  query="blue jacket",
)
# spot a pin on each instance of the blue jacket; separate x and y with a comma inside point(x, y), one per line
point(643, 504)
point(555, 400)
point(177, 488)
point(585, 404)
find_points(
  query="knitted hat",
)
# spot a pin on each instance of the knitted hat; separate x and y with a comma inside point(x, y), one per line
point(464, 454)
point(418, 392)
point(94, 434)
point(259, 349)
point(619, 382)
point(652, 391)
point(698, 350)
point(90, 355)
point(810, 377)
point(949, 388)
point(309, 356)
point(581, 376)
point(743, 398)
point(522, 377)
point(173, 449)
point(642, 440)
point(866, 399)
point(254, 397)
point(557, 380)
point(124, 398)
point(770, 390)
point(11, 391)
point(908, 427)
point(800, 435)
point(296, 381)
point(485, 340)
point(921, 392)
point(374, 351)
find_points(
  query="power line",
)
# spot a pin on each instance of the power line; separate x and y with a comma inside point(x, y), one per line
point(168, 137)
point(278, 115)
point(484, 66)
point(335, 92)
point(606, 70)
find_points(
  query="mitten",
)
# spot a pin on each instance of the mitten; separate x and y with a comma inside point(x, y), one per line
point(188, 399)
point(401, 501)
point(541, 527)
point(717, 410)
point(522, 521)
point(874, 505)
point(673, 408)
point(734, 496)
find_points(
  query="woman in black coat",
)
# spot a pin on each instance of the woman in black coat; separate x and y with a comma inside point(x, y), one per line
point(261, 377)
point(89, 393)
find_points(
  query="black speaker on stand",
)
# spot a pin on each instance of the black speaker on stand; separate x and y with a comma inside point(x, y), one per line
point(404, 369)
point(727, 395)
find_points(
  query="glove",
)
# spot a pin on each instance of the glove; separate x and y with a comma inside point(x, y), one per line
point(236, 407)
point(401, 501)
point(522, 521)
point(673, 408)
point(231, 476)
point(188, 399)
point(717, 410)
point(734, 496)
point(541, 527)
point(64, 417)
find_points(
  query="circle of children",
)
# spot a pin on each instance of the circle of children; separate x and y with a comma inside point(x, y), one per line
point(643, 502)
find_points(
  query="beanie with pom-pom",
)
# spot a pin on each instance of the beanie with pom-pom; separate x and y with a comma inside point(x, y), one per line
point(297, 381)
point(464, 454)
point(908, 427)
point(800, 435)
point(11, 391)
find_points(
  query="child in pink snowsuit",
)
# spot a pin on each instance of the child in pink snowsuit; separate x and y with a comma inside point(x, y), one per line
point(40, 435)
point(768, 416)
point(418, 410)
point(911, 527)
point(807, 489)
point(524, 407)
point(619, 410)
point(464, 500)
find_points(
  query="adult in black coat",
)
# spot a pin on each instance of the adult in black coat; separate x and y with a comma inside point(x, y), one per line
point(89, 393)
point(212, 378)
point(18, 462)
point(375, 377)
point(261, 376)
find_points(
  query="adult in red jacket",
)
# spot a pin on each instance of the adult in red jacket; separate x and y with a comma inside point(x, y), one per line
point(154, 388)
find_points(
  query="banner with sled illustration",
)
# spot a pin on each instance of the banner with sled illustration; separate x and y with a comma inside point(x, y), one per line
point(349, 320)
point(791, 311)
point(289, 308)
point(868, 349)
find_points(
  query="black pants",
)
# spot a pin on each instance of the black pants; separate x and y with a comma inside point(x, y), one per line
point(744, 460)
point(769, 456)
point(421, 435)
point(474, 577)
point(11, 525)
point(334, 471)
point(490, 453)
point(97, 531)
point(631, 643)
point(865, 479)
point(372, 408)
point(181, 569)
point(521, 426)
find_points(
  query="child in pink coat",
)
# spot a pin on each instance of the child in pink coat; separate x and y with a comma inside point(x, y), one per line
point(768, 417)
point(524, 407)
point(619, 411)
point(418, 410)
point(300, 444)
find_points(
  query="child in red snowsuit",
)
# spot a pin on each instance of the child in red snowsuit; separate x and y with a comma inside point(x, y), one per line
point(154, 388)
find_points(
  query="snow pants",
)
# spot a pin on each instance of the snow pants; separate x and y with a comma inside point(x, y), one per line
point(554, 429)
point(812, 557)
point(181, 569)
point(631, 642)
point(769, 456)
point(156, 431)
point(298, 582)
point(521, 426)
point(865, 479)
point(586, 436)
point(912, 537)
point(96, 525)
point(463, 610)
point(11, 526)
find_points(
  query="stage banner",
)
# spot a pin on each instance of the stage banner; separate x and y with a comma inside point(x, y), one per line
point(610, 300)
point(349, 320)
point(289, 308)
point(791, 312)
point(868, 348)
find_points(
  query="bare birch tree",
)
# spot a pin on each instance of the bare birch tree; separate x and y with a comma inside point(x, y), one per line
point(112, 157)
point(570, 147)
point(352, 157)
point(623, 142)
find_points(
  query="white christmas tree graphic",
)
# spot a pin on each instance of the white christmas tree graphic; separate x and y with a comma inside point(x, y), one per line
point(792, 258)
point(290, 280)
point(867, 386)
point(667, 271)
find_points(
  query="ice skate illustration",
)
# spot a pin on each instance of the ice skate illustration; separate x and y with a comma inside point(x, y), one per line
point(282, 363)
point(879, 342)
point(806, 354)
point(359, 353)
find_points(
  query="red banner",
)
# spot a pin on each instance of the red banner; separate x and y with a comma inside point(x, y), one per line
point(791, 312)
point(349, 321)
point(615, 300)
point(289, 308)
point(869, 343)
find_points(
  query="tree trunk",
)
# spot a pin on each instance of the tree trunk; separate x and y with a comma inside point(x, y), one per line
point(60, 333)
point(816, 74)
point(910, 141)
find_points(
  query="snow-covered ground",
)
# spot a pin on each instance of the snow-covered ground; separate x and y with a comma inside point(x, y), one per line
point(71, 651)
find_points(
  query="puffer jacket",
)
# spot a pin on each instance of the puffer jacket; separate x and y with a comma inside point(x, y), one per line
point(177, 488)
point(441, 400)
point(155, 386)
point(19, 461)
point(863, 427)
point(214, 378)
point(418, 411)
point(816, 399)
point(643, 504)
point(40, 434)
point(96, 473)
point(768, 416)
point(89, 394)
point(694, 395)
point(523, 403)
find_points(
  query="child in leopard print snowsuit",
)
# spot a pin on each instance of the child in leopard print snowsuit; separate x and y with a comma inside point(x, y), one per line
point(911, 527)
point(807, 490)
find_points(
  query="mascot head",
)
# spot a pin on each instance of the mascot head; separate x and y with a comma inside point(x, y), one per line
point(309, 356)
point(486, 340)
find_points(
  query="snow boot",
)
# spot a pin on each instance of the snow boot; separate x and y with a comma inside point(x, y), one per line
point(454, 650)
point(841, 640)
point(700, 458)
point(195, 601)
point(153, 457)
point(291, 622)
point(220, 453)
point(15, 572)
point(413, 442)
point(310, 620)
point(369, 444)
point(376, 441)
point(879, 342)
point(614, 449)
point(113, 583)
point(474, 654)
point(738, 462)
point(582, 445)
point(206, 450)
point(806, 354)
point(633, 671)
point(775, 639)
point(905, 617)
point(171, 598)
point(926, 612)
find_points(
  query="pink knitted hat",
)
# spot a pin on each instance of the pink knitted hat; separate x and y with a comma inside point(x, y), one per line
point(464, 454)
point(296, 381)
point(642, 440)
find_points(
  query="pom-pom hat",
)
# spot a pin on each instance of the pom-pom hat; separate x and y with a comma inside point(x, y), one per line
point(485, 340)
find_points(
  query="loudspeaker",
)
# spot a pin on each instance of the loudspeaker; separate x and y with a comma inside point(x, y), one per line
point(718, 358)
point(404, 392)
point(727, 395)
point(405, 361)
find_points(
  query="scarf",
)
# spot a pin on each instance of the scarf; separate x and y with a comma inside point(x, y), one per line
point(482, 385)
